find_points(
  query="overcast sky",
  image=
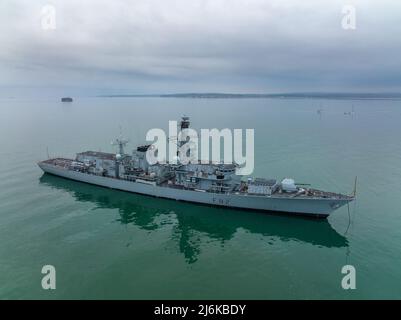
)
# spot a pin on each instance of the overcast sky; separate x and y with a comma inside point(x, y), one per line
point(165, 46)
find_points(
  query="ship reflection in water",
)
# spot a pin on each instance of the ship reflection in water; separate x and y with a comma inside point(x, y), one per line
point(219, 224)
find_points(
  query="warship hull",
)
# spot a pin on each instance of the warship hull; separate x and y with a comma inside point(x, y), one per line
point(316, 207)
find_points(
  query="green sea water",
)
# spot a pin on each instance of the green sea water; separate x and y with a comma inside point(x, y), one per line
point(107, 244)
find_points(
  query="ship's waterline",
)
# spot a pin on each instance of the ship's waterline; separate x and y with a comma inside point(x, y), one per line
point(314, 208)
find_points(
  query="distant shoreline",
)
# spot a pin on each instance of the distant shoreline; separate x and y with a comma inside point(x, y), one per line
point(348, 96)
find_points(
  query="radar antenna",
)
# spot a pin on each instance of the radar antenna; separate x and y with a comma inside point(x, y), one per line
point(184, 124)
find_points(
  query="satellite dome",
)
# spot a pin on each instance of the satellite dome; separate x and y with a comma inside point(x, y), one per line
point(118, 156)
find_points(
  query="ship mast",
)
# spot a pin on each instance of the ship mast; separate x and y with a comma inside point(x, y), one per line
point(121, 143)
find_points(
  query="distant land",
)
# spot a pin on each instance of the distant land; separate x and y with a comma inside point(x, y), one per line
point(356, 96)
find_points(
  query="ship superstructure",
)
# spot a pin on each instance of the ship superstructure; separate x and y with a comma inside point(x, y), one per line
point(205, 183)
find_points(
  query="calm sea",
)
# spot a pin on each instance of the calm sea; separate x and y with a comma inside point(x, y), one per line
point(111, 244)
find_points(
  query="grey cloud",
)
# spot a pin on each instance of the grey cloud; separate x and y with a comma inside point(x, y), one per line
point(220, 45)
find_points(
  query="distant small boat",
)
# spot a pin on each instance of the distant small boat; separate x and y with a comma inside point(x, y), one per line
point(66, 99)
point(350, 113)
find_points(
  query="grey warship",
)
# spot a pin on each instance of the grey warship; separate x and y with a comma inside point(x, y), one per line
point(210, 183)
